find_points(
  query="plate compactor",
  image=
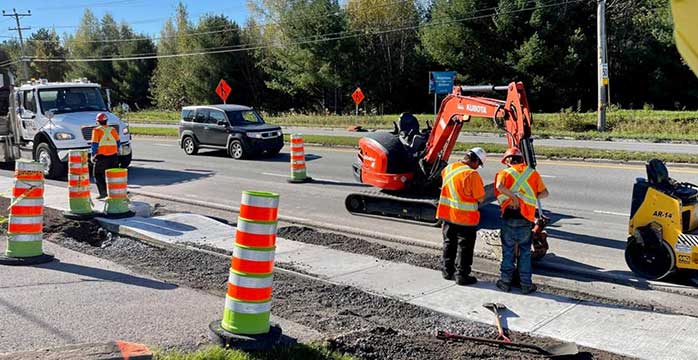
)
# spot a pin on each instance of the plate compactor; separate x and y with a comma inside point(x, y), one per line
point(663, 224)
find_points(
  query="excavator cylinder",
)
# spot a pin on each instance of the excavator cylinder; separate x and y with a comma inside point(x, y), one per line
point(483, 88)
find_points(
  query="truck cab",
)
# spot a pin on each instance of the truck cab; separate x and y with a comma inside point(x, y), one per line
point(53, 118)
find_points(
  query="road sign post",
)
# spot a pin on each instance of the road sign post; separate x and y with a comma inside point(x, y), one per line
point(223, 90)
point(358, 97)
point(440, 82)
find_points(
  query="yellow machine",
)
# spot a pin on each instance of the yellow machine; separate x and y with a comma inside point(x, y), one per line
point(663, 224)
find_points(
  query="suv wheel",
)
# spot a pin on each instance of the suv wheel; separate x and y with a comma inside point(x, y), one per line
point(189, 145)
point(53, 167)
point(236, 150)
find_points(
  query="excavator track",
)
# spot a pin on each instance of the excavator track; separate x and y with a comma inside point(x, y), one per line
point(419, 208)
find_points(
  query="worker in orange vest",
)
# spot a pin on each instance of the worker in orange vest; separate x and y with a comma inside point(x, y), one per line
point(462, 192)
point(518, 188)
point(105, 148)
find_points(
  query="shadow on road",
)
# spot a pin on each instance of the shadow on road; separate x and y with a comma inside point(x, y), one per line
point(280, 157)
point(107, 275)
point(154, 177)
point(44, 325)
point(148, 160)
point(585, 239)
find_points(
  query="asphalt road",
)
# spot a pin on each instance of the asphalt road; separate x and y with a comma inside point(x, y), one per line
point(589, 202)
point(625, 145)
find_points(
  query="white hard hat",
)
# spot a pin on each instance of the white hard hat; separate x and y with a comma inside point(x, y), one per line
point(481, 154)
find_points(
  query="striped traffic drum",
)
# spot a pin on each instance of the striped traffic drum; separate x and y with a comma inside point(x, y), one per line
point(248, 299)
point(298, 169)
point(117, 193)
point(78, 185)
point(25, 229)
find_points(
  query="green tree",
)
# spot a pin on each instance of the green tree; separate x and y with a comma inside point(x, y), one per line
point(45, 43)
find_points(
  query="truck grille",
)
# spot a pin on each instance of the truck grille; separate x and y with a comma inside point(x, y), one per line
point(87, 131)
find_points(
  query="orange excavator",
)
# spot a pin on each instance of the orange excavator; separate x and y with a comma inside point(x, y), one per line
point(405, 164)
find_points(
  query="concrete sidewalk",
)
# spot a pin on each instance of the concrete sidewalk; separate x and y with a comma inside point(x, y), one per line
point(612, 328)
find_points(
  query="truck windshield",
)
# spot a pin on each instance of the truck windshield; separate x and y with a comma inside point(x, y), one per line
point(244, 117)
point(72, 99)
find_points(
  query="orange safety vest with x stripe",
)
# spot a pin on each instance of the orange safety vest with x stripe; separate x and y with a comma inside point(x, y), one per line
point(105, 137)
point(517, 180)
point(454, 206)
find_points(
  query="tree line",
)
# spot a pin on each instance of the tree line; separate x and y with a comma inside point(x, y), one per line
point(310, 55)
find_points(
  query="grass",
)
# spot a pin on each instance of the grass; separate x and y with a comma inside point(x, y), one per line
point(650, 125)
point(296, 352)
point(546, 151)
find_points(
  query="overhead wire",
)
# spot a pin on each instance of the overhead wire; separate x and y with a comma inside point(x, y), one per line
point(249, 47)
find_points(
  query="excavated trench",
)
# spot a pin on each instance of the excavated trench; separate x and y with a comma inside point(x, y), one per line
point(354, 322)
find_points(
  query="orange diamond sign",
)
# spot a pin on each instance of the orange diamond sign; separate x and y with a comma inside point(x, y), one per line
point(223, 90)
point(358, 96)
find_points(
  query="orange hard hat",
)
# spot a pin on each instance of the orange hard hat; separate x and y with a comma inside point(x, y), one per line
point(512, 151)
point(101, 117)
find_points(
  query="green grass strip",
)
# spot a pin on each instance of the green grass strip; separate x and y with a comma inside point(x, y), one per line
point(296, 352)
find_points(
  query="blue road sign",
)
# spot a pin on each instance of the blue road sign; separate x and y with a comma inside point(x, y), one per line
point(441, 82)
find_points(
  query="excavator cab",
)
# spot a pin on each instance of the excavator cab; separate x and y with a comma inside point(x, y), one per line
point(663, 226)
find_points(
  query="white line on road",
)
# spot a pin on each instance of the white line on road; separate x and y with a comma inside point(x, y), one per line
point(167, 145)
point(548, 176)
point(611, 213)
point(314, 178)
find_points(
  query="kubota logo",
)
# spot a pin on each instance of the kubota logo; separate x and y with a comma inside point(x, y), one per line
point(476, 108)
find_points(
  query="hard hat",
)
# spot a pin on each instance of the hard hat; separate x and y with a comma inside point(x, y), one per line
point(101, 117)
point(480, 153)
point(512, 151)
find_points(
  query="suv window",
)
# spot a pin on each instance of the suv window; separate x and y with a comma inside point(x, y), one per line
point(29, 103)
point(215, 116)
point(188, 115)
point(245, 117)
point(201, 116)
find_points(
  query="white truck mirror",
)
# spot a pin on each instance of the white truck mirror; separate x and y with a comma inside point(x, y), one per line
point(125, 107)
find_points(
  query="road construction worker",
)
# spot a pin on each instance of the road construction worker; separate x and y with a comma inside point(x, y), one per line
point(517, 189)
point(105, 148)
point(462, 192)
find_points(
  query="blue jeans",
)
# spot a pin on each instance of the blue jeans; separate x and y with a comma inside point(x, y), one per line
point(516, 231)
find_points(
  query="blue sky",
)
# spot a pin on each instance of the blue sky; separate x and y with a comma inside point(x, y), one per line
point(145, 16)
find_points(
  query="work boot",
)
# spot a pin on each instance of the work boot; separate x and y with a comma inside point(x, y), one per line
point(466, 280)
point(447, 275)
point(503, 285)
point(527, 289)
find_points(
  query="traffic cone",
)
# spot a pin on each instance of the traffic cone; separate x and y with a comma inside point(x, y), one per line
point(298, 171)
point(245, 323)
point(117, 194)
point(25, 229)
point(79, 186)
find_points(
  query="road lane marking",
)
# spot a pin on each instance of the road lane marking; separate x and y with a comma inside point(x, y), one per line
point(612, 213)
point(612, 166)
point(167, 145)
point(548, 176)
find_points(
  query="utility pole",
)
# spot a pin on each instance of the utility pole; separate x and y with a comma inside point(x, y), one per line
point(19, 29)
point(602, 63)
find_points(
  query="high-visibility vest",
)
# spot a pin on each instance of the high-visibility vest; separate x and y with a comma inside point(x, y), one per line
point(518, 183)
point(106, 140)
point(454, 206)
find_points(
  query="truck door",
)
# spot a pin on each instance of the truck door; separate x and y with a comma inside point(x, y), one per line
point(28, 114)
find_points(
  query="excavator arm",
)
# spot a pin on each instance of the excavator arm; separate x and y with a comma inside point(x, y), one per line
point(511, 115)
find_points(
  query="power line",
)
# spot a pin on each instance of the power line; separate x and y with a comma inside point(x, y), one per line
point(19, 29)
point(249, 47)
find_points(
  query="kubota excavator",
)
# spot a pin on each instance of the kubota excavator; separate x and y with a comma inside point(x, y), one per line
point(405, 164)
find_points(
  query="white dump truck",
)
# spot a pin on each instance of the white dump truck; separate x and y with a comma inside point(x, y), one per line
point(43, 121)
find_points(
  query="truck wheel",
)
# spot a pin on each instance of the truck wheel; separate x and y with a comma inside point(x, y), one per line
point(53, 167)
point(189, 145)
point(125, 161)
point(236, 150)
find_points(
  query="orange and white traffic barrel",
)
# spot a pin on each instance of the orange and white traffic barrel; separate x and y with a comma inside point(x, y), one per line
point(117, 194)
point(25, 229)
point(248, 299)
point(79, 186)
point(299, 173)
